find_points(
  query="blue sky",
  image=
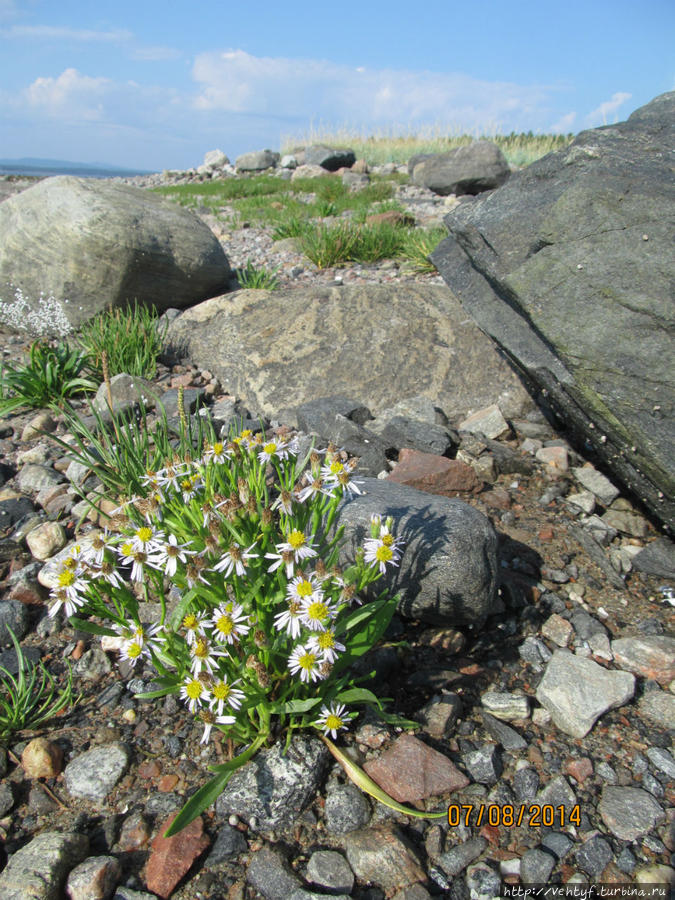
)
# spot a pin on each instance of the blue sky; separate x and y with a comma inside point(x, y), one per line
point(155, 85)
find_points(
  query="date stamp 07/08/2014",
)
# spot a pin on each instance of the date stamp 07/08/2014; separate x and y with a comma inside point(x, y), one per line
point(533, 815)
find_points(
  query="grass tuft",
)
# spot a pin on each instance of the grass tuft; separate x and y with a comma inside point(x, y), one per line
point(131, 339)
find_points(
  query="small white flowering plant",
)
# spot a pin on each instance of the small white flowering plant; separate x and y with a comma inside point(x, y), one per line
point(266, 627)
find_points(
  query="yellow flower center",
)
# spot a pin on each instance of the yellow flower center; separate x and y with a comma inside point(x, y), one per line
point(336, 467)
point(66, 578)
point(307, 661)
point(296, 539)
point(317, 610)
point(144, 535)
point(225, 625)
point(70, 563)
point(190, 622)
point(326, 640)
point(333, 722)
point(388, 540)
point(134, 650)
point(186, 484)
point(127, 548)
point(270, 448)
point(221, 691)
point(384, 554)
point(194, 689)
point(217, 449)
point(304, 588)
point(201, 649)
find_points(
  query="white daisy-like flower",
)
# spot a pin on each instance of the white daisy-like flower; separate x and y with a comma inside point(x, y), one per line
point(132, 651)
point(222, 692)
point(305, 661)
point(193, 626)
point(71, 603)
point(304, 589)
point(108, 571)
point(188, 486)
point(193, 575)
point(71, 582)
point(316, 613)
point(289, 619)
point(171, 476)
point(229, 622)
point(235, 558)
point(284, 502)
point(326, 645)
point(147, 539)
point(204, 656)
point(315, 487)
point(217, 452)
point(195, 693)
point(210, 719)
point(332, 719)
point(170, 552)
point(382, 551)
point(291, 552)
point(271, 449)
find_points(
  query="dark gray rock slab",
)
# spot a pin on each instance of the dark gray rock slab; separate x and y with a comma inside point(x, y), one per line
point(13, 615)
point(628, 812)
point(346, 809)
point(567, 267)
point(657, 558)
point(38, 870)
point(275, 787)
point(269, 873)
point(448, 571)
point(477, 167)
point(329, 158)
point(101, 244)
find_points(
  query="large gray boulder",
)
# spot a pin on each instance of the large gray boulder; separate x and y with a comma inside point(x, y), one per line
point(448, 571)
point(329, 158)
point(477, 167)
point(96, 245)
point(379, 343)
point(569, 268)
point(257, 161)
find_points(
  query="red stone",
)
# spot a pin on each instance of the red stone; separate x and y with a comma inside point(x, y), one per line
point(581, 769)
point(172, 858)
point(410, 770)
point(149, 768)
point(435, 474)
point(546, 534)
point(28, 592)
point(167, 783)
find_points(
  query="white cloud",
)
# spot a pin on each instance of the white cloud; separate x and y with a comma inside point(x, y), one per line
point(564, 123)
point(72, 94)
point(608, 108)
point(237, 82)
point(51, 32)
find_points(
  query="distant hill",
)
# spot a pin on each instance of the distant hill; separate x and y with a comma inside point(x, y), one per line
point(36, 166)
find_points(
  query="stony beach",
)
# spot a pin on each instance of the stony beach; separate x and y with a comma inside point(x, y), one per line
point(584, 613)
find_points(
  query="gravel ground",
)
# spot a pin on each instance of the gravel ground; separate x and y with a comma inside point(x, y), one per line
point(566, 582)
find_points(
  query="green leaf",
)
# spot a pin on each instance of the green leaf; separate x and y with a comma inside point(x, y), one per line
point(295, 706)
point(372, 627)
point(201, 800)
point(358, 695)
point(365, 783)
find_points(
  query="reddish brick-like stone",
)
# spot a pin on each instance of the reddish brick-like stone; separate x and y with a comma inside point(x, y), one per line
point(172, 858)
point(435, 474)
point(410, 770)
point(581, 769)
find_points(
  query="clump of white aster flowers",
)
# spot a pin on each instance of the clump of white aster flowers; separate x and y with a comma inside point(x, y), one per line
point(265, 624)
point(44, 318)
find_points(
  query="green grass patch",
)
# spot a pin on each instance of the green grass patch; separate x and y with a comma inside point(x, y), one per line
point(131, 338)
point(336, 245)
point(258, 277)
point(418, 244)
